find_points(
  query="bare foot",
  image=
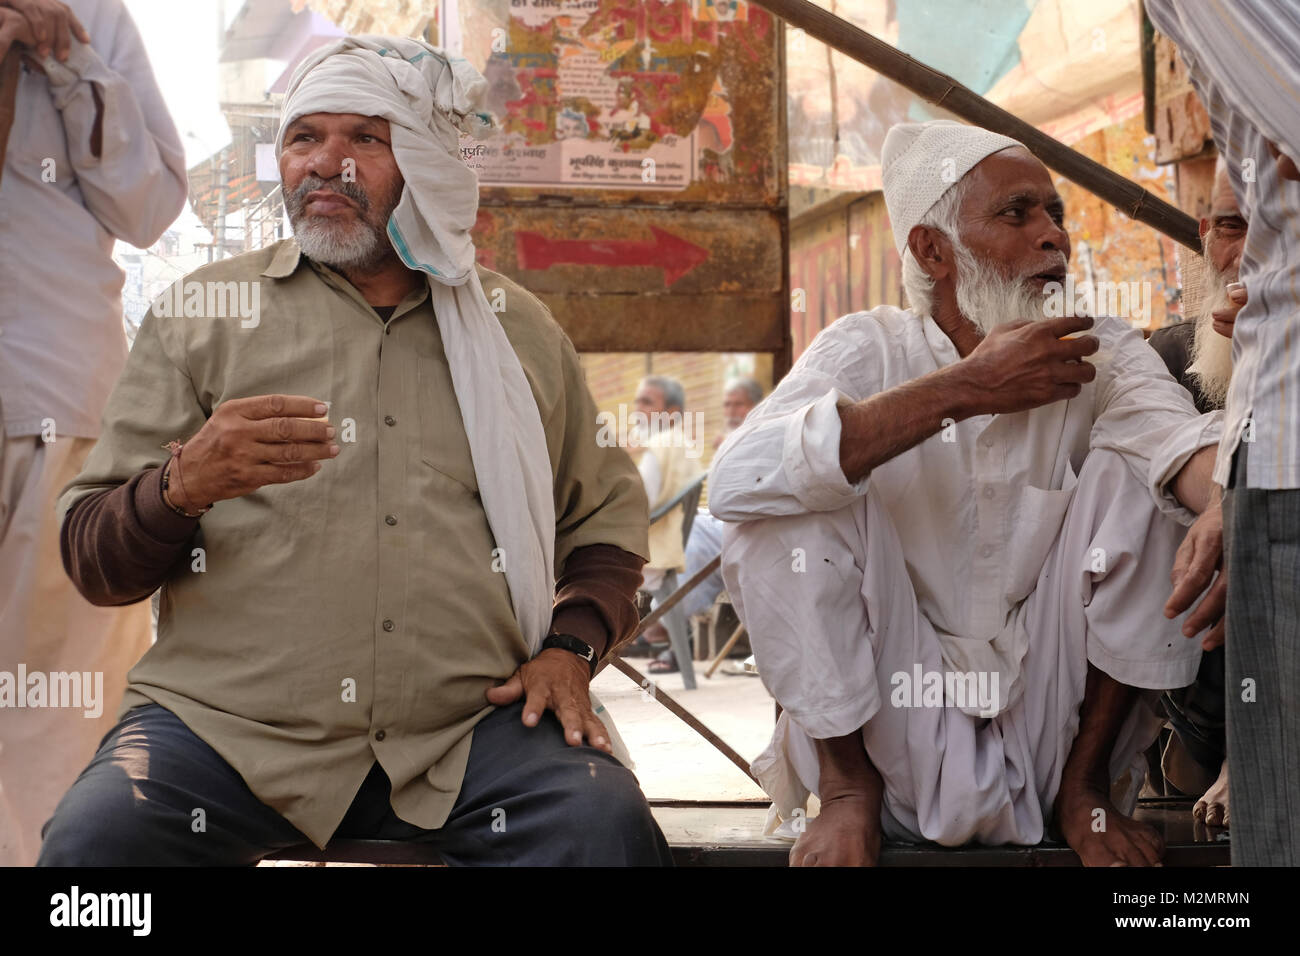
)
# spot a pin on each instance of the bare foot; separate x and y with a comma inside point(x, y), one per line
point(1099, 833)
point(1213, 806)
point(845, 833)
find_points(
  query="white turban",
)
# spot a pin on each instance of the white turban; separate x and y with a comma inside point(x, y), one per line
point(921, 161)
point(428, 98)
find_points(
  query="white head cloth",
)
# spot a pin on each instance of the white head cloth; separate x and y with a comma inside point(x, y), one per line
point(428, 97)
point(921, 161)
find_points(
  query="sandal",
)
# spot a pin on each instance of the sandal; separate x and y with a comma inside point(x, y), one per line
point(665, 663)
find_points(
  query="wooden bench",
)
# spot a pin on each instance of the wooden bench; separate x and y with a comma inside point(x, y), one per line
point(730, 833)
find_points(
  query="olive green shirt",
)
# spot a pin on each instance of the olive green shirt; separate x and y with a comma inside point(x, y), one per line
point(360, 614)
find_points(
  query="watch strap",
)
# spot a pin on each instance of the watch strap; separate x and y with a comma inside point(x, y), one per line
point(575, 645)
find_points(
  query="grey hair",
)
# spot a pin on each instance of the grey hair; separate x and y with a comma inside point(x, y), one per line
point(747, 385)
point(674, 394)
point(942, 216)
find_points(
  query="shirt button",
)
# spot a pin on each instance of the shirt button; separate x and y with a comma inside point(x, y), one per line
point(986, 550)
point(380, 735)
point(390, 519)
point(989, 492)
point(390, 420)
point(389, 625)
point(988, 442)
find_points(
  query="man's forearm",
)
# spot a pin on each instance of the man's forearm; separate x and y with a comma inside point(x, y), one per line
point(1194, 485)
point(595, 597)
point(120, 545)
point(887, 424)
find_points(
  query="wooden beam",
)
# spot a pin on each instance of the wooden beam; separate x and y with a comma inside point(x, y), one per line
point(942, 90)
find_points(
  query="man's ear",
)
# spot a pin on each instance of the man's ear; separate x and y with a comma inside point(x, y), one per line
point(1203, 228)
point(933, 252)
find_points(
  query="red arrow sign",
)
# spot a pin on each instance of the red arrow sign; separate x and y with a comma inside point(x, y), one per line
point(673, 254)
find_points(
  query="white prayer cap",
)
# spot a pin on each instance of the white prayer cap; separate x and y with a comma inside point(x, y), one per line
point(921, 161)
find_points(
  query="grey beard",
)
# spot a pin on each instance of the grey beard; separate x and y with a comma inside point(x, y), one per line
point(1212, 352)
point(988, 298)
point(351, 247)
point(358, 250)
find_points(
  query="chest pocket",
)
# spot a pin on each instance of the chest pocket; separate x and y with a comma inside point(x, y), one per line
point(1034, 530)
point(444, 446)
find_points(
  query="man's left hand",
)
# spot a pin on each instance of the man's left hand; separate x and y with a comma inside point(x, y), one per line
point(555, 680)
point(1198, 558)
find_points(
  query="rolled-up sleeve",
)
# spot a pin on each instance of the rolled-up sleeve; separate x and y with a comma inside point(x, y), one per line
point(785, 458)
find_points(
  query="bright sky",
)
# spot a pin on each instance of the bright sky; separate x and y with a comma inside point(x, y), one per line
point(181, 39)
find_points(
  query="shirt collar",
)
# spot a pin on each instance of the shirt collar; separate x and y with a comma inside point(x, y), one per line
point(285, 260)
point(945, 353)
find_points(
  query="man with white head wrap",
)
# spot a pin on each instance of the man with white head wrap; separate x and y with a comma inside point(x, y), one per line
point(951, 531)
point(378, 646)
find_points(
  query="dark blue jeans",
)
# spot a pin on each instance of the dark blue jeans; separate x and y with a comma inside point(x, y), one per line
point(563, 805)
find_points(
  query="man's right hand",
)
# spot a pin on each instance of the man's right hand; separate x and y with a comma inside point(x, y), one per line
point(251, 442)
point(51, 25)
point(14, 28)
point(1022, 365)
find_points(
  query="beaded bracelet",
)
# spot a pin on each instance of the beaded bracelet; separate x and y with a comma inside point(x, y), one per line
point(175, 448)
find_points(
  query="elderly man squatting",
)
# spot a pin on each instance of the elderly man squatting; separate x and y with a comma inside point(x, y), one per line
point(956, 490)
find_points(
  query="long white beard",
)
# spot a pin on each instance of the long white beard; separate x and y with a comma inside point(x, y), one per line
point(988, 298)
point(1212, 352)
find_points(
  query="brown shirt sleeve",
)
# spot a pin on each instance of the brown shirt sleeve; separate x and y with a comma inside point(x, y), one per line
point(120, 544)
point(595, 598)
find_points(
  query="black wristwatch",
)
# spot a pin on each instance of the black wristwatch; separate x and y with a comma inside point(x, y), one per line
point(570, 643)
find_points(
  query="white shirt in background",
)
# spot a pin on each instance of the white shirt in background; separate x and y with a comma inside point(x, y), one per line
point(62, 345)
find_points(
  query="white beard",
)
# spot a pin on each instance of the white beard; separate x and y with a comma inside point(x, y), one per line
point(347, 246)
point(1212, 352)
point(355, 246)
point(988, 298)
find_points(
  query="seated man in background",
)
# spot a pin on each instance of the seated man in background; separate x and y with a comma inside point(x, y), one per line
point(950, 534)
point(1198, 354)
point(342, 598)
point(669, 463)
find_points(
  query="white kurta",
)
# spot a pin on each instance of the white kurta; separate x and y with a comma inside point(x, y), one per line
point(971, 519)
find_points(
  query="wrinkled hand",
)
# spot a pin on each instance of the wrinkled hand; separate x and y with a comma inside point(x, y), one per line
point(251, 442)
point(1198, 558)
point(1022, 365)
point(13, 29)
point(1224, 319)
point(555, 680)
point(51, 25)
point(845, 833)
